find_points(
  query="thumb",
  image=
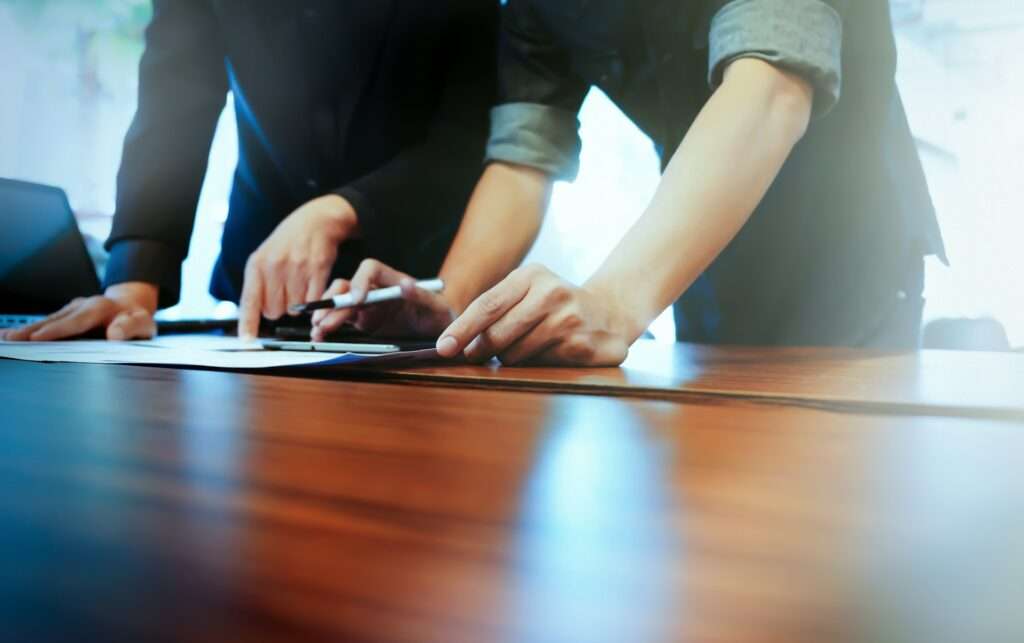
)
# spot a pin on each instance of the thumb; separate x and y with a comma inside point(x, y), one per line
point(133, 324)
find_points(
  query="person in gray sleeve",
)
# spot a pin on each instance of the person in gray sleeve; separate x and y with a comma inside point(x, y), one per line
point(793, 209)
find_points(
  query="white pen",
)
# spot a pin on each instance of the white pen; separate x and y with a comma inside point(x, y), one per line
point(372, 297)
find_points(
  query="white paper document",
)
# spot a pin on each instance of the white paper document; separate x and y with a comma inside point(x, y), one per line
point(199, 351)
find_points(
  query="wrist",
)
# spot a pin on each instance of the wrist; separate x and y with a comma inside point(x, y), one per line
point(342, 219)
point(627, 316)
point(456, 295)
point(135, 293)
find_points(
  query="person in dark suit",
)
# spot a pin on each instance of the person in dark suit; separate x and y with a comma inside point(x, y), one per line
point(362, 125)
point(793, 209)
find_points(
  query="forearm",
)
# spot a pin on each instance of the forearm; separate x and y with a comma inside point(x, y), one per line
point(182, 89)
point(502, 221)
point(719, 174)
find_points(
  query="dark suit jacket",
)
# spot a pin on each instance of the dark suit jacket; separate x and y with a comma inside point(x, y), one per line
point(384, 102)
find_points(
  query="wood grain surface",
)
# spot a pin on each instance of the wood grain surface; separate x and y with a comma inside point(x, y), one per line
point(141, 504)
point(926, 382)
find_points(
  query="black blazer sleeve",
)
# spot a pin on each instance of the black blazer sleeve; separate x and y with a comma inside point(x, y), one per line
point(182, 89)
point(412, 204)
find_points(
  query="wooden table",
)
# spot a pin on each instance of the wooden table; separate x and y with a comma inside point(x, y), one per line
point(970, 384)
point(143, 504)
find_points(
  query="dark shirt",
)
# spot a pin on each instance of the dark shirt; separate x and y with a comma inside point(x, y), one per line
point(835, 245)
point(382, 102)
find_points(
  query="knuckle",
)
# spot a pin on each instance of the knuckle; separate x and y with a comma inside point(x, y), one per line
point(370, 265)
point(490, 304)
point(557, 294)
point(491, 338)
point(329, 322)
point(578, 350)
point(571, 321)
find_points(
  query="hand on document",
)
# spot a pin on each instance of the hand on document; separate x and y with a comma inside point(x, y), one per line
point(124, 312)
point(292, 266)
point(419, 313)
point(534, 316)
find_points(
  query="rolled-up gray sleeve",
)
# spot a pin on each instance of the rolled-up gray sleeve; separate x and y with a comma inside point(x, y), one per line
point(801, 36)
point(538, 136)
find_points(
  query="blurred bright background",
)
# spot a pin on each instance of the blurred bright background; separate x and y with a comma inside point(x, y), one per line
point(70, 83)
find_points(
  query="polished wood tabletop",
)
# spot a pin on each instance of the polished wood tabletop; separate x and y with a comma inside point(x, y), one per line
point(144, 504)
point(931, 382)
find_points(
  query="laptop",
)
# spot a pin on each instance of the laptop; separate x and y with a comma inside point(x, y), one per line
point(44, 263)
point(43, 260)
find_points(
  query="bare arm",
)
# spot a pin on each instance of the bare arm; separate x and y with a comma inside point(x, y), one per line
point(719, 174)
point(501, 223)
point(717, 177)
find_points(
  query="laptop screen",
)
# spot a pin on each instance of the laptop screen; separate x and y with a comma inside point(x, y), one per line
point(43, 260)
